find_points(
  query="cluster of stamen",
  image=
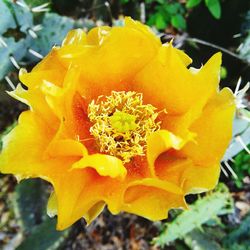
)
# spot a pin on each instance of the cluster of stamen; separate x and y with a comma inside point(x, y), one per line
point(122, 123)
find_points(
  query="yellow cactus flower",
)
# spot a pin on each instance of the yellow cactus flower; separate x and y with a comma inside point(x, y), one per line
point(117, 119)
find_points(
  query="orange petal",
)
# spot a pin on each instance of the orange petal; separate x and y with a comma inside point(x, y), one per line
point(66, 147)
point(208, 79)
point(23, 147)
point(37, 102)
point(51, 62)
point(105, 47)
point(152, 198)
point(88, 193)
point(65, 203)
point(75, 37)
point(159, 142)
point(162, 73)
point(105, 165)
point(185, 174)
point(213, 129)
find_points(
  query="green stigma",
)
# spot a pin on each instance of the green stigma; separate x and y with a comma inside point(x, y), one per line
point(123, 122)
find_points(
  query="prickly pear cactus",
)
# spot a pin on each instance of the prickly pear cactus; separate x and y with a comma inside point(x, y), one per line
point(30, 201)
point(209, 207)
point(26, 38)
point(38, 241)
point(14, 35)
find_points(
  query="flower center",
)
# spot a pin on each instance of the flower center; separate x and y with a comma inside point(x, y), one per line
point(122, 123)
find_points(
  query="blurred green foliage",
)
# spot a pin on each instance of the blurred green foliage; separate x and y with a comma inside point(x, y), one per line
point(18, 33)
point(239, 238)
point(174, 13)
point(29, 203)
point(201, 227)
point(204, 209)
point(167, 13)
point(241, 167)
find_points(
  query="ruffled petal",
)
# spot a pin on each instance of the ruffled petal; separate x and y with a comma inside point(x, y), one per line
point(159, 142)
point(94, 211)
point(162, 73)
point(105, 165)
point(37, 103)
point(185, 174)
point(23, 147)
point(51, 62)
point(213, 129)
point(89, 192)
point(68, 187)
point(130, 47)
point(152, 198)
point(75, 37)
point(208, 79)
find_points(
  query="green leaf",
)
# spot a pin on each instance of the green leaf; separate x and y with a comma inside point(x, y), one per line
point(178, 21)
point(192, 3)
point(160, 22)
point(151, 20)
point(160, 1)
point(223, 72)
point(124, 1)
point(214, 8)
point(172, 9)
point(35, 3)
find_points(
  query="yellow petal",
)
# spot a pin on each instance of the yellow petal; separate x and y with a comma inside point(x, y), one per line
point(97, 35)
point(88, 193)
point(93, 212)
point(105, 47)
point(35, 78)
point(105, 165)
point(185, 174)
point(208, 78)
point(37, 102)
point(68, 187)
point(60, 99)
point(89, 216)
point(146, 30)
point(52, 205)
point(154, 182)
point(66, 147)
point(152, 198)
point(161, 75)
point(75, 37)
point(51, 62)
point(23, 147)
point(159, 142)
point(213, 129)
point(184, 57)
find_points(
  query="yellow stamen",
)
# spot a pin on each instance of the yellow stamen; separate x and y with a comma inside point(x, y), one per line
point(122, 123)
